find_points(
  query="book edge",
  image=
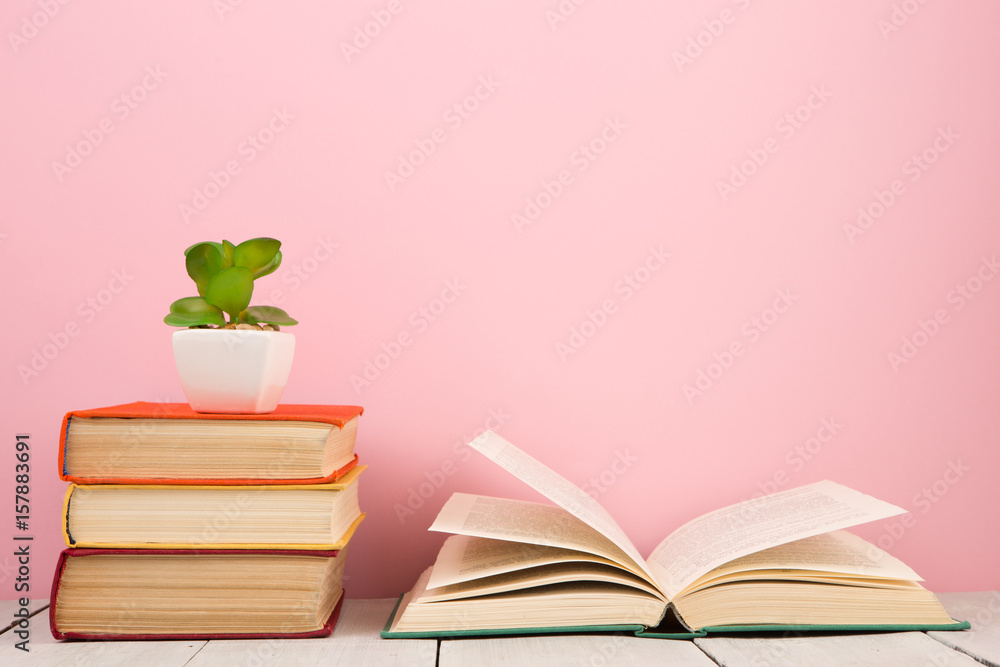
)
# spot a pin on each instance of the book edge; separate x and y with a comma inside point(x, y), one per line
point(643, 632)
point(323, 631)
point(323, 413)
point(238, 547)
point(385, 633)
point(210, 481)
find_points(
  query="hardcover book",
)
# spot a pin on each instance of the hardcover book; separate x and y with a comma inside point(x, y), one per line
point(144, 516)
point(212, 594)
point(169, 443)
point(777, 562)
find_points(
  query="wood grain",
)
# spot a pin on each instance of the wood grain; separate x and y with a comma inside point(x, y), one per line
point(355, 641)
point(912, 649)
point(982, 610)
point(595, 650)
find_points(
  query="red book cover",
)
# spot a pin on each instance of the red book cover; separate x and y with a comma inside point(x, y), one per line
point(335, 415)
point(324, 631)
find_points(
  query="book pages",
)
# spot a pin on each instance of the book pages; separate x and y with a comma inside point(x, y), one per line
point(548, 575)
point(760, 523)
point(839, 552)
point(527, 522)
point(558, 489)
point(464, 558)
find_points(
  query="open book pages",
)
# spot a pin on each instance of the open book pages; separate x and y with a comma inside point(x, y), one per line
point(838, 553)
point(683, 556)
point(777, 602)
point(835, 578)
point(782, 559)
point(750, 526)
point(468, 566)
point(530, 523)
point(463, 558)
point(571, 604)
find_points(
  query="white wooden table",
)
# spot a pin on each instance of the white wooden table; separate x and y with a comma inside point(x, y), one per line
point(355, 641)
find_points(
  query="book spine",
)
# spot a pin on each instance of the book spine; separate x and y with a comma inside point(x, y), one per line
point(65, 516)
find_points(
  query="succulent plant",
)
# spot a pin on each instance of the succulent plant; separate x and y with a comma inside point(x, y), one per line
point(224, 275)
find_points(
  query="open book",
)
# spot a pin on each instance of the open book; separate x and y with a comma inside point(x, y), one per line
point(777, 562)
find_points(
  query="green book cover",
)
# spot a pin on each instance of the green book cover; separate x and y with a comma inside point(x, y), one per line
point(654, 633)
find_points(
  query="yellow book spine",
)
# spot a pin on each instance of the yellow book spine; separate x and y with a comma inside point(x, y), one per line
point(65, 516)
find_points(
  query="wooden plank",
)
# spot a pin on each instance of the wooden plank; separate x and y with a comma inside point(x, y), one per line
point(571, 650)
point(914, 649)
point(355, 641)
point(45, 651)
point(9, 607)
point(982, 610)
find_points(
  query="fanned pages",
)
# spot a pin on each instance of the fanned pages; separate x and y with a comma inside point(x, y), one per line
point(744, 528)
point(780, 561)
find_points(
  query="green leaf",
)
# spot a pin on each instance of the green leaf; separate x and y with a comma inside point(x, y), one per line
point(193, 311)
point(225, 249)
point(228, 250)
point(192, 304)
point(256, 254)
point(203, 261)
point(269, 315)
point(192, 247)
point(231, 290)
point(270, 268)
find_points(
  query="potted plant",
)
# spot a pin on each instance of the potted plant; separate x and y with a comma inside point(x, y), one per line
point(231, 357)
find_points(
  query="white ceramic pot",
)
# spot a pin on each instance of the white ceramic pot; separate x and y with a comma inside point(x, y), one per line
point(233, 371)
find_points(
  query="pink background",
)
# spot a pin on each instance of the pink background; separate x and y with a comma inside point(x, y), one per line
point(739, 138)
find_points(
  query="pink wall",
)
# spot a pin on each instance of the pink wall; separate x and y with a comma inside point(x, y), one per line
point(631, 238)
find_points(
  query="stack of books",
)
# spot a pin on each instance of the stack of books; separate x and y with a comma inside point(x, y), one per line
point(188, 525)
